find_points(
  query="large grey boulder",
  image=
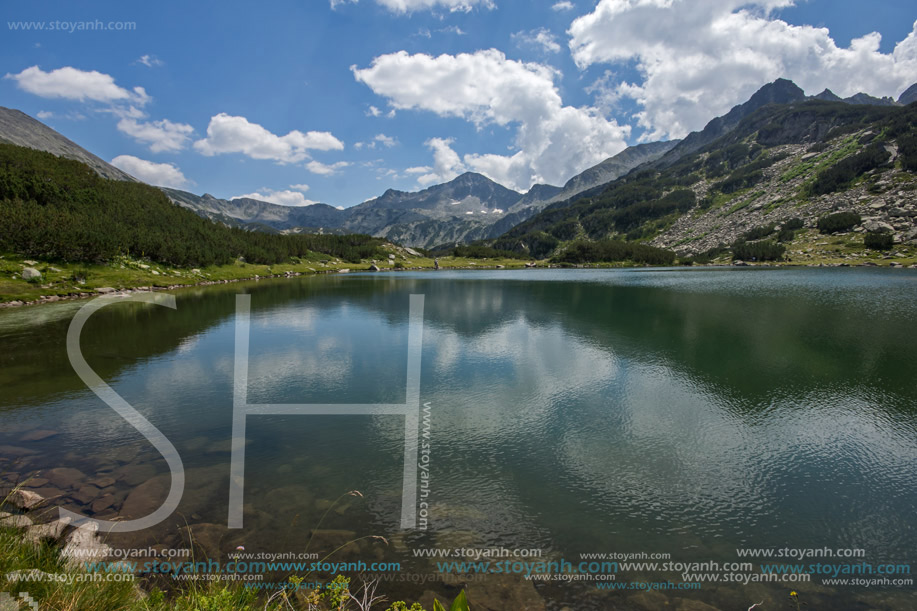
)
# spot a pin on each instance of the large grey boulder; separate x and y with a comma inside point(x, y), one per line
point(30, 273)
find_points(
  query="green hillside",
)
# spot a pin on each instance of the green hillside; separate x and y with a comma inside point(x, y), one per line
point(60, 210)
point(782, 162)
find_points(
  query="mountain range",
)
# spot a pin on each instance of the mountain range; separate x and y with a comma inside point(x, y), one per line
point(468, 208)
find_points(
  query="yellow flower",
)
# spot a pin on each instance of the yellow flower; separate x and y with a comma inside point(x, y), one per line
point(793, 593)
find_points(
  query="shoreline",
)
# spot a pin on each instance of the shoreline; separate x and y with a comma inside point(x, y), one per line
point(100, 291)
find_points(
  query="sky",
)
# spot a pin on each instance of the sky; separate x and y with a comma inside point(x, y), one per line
point(335, 101)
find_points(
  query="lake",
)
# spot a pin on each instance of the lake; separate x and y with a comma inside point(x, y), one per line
point(688, 413)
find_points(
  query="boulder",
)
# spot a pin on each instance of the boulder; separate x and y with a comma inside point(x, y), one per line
point(878, 226)
point(64, 477)
point(374, 268)
point(134, 474)
point(15, 521)
point(86, 494)
point(24, 499)
point(146, 498)
point(30, 273)
point(83, 545)
point(105, 290)
point(52, 530)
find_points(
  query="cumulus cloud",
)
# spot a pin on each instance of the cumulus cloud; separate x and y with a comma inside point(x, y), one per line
point(285, 197)
point(553, 141)
point(322, 169)
point(541, 38)
point(150, 172)
point(698, 58)
point(74, 84)
point(229, 134)
point(446, 162)
point(564, 5)
point(161, 136)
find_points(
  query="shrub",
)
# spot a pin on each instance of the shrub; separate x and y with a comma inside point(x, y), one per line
point(786, 235)
point(480, 251)
point(878, 241)
point(615, 250)
point(758, 251)
point(842, 174)
point(794, 223)
point(840, 221)
point(758, 233)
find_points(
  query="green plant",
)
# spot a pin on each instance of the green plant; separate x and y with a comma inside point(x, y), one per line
point(878, 241)
point(459, 604)
point(840, 221)
point(758, 251)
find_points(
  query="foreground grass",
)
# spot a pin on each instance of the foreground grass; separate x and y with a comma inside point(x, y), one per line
point(66, 589)
point(63, 279)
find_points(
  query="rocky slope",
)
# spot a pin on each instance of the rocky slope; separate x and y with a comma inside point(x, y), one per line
point(800, 160)
point(20, 129)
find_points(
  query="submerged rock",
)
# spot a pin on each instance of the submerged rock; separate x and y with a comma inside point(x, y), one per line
point(38, 435)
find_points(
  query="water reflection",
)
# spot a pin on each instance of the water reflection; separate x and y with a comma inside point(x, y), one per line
point(688, 412)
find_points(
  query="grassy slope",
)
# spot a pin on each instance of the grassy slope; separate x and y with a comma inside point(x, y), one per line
point(126, 273)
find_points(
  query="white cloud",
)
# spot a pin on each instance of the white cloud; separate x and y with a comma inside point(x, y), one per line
point(286, 197)
point(300, 187)
point(317, 167)
point(541, 38)
point(159, 174)
point(229, 134)
point(410, 6)
point(698, 58)
point(161, 135)
point(386, 141)
point(74, 84)
point(446, 163)
point(150, 61)
point(553, 141)
point(421, 169)
point(379, 140)
point(373, 112)
point(453, 29)
point(44, 115)
point(564, 5)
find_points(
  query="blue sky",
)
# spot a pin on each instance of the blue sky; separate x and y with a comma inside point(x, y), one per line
point(336, 101)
